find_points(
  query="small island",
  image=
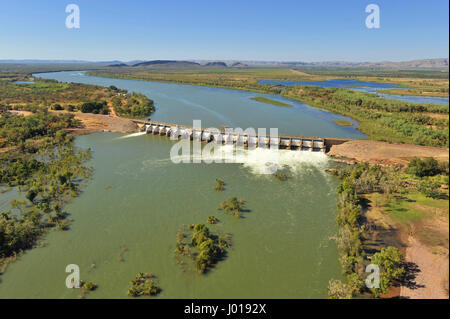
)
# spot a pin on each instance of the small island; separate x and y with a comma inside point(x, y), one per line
point(343, 123)
point(269, 101)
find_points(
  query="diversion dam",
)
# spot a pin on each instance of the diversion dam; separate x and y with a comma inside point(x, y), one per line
point(227, 136)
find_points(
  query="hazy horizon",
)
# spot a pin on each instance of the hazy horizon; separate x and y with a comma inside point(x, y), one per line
point(241, 31)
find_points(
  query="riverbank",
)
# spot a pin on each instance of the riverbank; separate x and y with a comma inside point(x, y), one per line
point(421, 235)
point(377, 152)
point(381, 119)
point(92, 123)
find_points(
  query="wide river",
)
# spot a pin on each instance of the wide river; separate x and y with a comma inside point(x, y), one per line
point(127, 217)
point(364, 86)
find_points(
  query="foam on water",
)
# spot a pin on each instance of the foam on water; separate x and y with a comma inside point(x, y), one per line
point(259, 160)
point(132, 135)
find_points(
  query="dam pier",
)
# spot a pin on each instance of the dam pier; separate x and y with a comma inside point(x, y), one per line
point(228, 136)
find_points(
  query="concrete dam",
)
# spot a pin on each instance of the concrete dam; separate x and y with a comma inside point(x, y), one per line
point(225, 135)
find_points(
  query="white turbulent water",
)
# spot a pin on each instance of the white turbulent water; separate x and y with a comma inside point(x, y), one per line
point(132, 135)
point(257, 160)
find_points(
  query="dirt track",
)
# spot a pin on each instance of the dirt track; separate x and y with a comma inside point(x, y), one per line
point(374, 151)
point(432, 274)
point(100, 123)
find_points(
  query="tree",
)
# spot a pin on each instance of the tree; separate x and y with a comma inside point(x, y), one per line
point(389, 261)
point(426, 167)
point(338, 290)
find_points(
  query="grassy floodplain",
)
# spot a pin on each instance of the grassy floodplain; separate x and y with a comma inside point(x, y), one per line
point(343, 122)
point(269, 101)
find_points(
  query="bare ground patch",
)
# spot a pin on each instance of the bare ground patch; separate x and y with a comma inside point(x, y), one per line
point(376, 152)
point(424, 243)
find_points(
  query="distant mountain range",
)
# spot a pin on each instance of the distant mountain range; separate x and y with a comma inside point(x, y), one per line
point(424, 63)
point(441, 63)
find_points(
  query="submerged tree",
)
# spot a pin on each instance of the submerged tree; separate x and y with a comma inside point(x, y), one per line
point(143, 285)
point(233, 206)
point(211, 220)
point(219, 185)
point(206, 247)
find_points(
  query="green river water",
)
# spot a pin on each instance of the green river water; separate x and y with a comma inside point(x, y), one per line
point(127, 217)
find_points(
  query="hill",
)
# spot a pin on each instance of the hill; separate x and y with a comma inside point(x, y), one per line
point(166, 63)
point(216, 64)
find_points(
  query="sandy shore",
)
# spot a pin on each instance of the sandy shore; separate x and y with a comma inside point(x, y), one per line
point(376, 152)
point(429, 282)
point(103, 123)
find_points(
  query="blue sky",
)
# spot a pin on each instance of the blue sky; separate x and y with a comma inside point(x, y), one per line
point(288, 30)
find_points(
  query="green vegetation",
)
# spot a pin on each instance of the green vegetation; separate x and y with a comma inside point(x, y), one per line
point(86, 288)
point(94, 107)
point(143, 285)
point(233, 206)
point(43, 163)
point(212, 220)
point(204, 247)
point(39, 159)
point(432, 174)
point(343, 122)
point(405, 197)
point(133, 105)
point(389, 260)
point(358, 180)
point(353, 72)
point(269, 101)
point(381, 119)
point(281, 176)
point(219, 185)
point(22, 132)
point(426, 167)
point(89, 286)
point(53, 95)
point(338, 290)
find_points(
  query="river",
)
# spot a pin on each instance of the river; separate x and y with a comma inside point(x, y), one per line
point(127, 217)
point(366, 86)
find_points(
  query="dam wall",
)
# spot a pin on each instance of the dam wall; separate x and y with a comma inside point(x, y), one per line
point(228, 136)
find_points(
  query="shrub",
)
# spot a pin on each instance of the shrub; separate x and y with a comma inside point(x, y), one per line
point(93, 107)
point(57, 107)
point(143, 285)
point(389, 261)
point(89, 286)
point(219, 185)
point(338, 290)
point(426, 167)
point(430, 188)
point(211, 220)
